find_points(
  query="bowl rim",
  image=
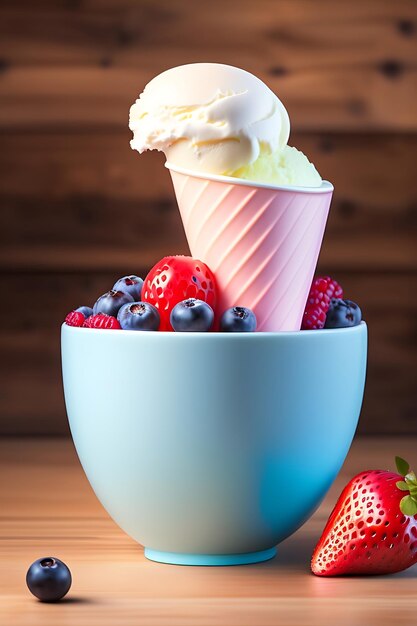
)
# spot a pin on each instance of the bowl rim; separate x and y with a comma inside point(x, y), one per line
point(325, 187)
point(285, 335)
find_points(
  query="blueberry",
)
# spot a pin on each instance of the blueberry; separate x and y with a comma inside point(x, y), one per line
point(130, 284)
point(342, 313)
point(85, 310)
point(238, 319)
point(192, 315)
point(138, 316)
point(110, 302)
point(49, 579)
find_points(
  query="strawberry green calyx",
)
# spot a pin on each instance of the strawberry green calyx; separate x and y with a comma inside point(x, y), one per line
point(408, 504)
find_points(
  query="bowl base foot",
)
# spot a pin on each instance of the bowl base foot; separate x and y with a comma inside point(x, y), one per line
point(177, 558)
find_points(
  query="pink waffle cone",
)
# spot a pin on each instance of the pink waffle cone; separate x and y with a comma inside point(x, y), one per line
point(261, 242)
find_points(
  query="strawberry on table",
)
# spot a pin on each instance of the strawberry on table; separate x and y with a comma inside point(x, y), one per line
point(178, 278)
point(373, 527)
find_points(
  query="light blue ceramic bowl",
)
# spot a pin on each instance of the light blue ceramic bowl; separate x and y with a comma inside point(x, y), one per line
point(210, 449)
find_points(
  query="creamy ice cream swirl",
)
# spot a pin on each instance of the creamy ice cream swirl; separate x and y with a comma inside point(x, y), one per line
point(209, 117)
point(219, 119)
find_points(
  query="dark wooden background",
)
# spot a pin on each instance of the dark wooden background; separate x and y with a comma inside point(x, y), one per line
point(79, 208)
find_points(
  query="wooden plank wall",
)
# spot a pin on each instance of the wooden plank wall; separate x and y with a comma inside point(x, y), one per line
point(79, 208)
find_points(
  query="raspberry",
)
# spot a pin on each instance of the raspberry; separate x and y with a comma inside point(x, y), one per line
point(101, 320)
point(75, 318)
point(323, 289)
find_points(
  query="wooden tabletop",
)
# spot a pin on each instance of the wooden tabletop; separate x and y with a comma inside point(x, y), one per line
point(48, 508)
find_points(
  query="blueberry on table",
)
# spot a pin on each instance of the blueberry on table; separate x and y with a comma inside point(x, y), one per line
point(49, 579)
point(342, 314)
point(138, 316)
point(192, 315)
point(87, 311)
point(130, 284)
point(238, 319)
point(110, 303)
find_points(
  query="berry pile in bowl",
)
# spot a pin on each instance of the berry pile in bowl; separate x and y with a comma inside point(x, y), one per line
point(180, 294)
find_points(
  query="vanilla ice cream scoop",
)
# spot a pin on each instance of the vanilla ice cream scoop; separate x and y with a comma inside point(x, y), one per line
point(216, 119)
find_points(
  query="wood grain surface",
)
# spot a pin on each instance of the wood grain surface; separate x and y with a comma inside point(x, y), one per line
point(48, 508)
point(85, 201)
point(333, 63)
point(78, 208)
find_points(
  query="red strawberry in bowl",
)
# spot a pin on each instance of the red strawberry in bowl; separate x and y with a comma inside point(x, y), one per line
point(178, 278)
point(373, 527)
